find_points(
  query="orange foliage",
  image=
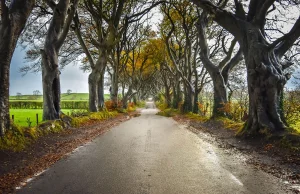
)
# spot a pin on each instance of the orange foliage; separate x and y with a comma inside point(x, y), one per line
point(202, 108)
point(234, 111)
point(109, 105)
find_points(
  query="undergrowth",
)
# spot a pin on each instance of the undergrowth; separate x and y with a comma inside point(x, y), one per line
point(231, 124)
point(95, 116)
point(18, 137)
point(169, 112)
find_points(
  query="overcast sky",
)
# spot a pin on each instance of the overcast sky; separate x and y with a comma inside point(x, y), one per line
point(71, 78)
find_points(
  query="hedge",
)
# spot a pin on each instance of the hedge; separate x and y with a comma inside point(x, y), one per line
point(39, 104)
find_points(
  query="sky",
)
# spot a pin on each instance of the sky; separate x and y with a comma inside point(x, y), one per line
point(71, 78)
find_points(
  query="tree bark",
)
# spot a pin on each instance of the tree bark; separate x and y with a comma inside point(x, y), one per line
point(101, 92)
point(13, 20)
point(168, 96)
point(94, 79)
point(188, 100)
point(176, 94)
point(114, 88)
point(220, 95)
point(51, 86)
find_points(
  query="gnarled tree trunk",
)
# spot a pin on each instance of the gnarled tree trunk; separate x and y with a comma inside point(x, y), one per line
point(51, 85)
point(56, 35)
point(220, 94)
point(265, 72)
point(13, 20)
point(265, 83)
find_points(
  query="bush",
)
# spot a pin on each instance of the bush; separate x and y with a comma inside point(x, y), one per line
point(95, 116)
point(168, 112)
point(109, 105)
point(234, 110)
point(141, 104)
point(35, 104)
point(17, 137)
point(197, 117)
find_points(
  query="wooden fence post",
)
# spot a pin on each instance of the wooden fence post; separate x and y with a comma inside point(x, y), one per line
point(37, 118)
point(13, 118)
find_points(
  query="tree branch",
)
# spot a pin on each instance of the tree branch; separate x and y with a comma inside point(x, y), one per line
point(51, 4)
point(67, 24)
point(283, 44)
point(81, 41)
point(225, 19)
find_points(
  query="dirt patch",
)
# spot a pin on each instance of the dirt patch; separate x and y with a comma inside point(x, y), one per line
point(266, 154)
point(16, 167)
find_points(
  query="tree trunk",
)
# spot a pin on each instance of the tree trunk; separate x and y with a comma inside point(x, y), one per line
point(176, 95)
point(13, 20)
point(56, 35)
point(168, 96)
point(134, 97)
point(197, 91)
point(94, 78)
point(114, 89)
point(265, 84)
point(5, 55)
point(51, 86)
point(220, 95)
point(196, 100)
point(101, 92)
point(188, 100)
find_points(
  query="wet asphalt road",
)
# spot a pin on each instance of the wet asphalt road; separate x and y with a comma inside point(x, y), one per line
point(153, 154)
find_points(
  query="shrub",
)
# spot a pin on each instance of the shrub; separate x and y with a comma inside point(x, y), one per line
point(161, 106)
point(234, 111)
point(194, 116)
point(95, 116)
point(141, 104)
point(291, 107)
point(109, 105)
point(168, 112)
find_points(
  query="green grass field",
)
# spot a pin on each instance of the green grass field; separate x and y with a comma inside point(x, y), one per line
point(21, 115)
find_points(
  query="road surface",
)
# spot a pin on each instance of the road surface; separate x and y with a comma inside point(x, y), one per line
point(151, 154)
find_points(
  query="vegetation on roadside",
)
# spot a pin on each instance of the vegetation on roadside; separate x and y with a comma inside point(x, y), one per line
point(236, 114)
point(25, 133)
point(18, 137)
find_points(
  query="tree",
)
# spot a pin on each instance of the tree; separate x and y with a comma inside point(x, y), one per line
point(179, 32)
point(220, 72)
point(69, 91)
point(265, 70)
point(56, 35)
point(107, 21)
point(18, 96)
point(14, 15)
point(36, 94)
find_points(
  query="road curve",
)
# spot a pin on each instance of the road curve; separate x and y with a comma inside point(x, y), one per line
point(151, 154)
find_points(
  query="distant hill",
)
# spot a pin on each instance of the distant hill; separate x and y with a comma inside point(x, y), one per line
point(64, 96)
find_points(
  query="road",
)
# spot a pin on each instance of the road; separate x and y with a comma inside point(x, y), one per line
point(151, 154)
